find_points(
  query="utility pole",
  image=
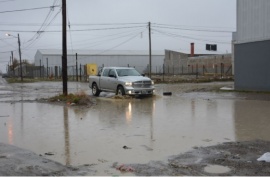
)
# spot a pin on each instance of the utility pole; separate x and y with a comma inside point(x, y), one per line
point(64, 47)
point(20, 55)
point(12, 63)
point(76, 67)
point(150, 50)
point(47, 68)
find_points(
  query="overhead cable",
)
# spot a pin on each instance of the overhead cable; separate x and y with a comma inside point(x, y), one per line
point(20, 10)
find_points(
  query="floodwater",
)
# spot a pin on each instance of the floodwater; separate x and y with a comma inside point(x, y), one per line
point(217, 169)
point(150, 128)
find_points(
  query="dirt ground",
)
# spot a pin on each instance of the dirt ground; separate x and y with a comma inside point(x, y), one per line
point(238, 159)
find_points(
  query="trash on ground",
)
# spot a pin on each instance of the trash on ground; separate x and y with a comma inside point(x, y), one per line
point(125, 168)
point(102, 160)
point(49, 153)
point(265, 157)
point(125, 147)
point(167, 93)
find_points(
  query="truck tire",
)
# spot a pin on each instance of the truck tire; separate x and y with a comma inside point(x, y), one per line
point(95, 90)
point(120, 91)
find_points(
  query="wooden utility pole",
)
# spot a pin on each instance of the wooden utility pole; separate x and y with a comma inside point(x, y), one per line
point(64, 47)
point(13, 73)
point(20, 55)
point(150, 50)
point(76, 67)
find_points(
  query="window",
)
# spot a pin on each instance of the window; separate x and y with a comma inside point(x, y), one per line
point(127, 72)
point(105, 73)
point(112, 73)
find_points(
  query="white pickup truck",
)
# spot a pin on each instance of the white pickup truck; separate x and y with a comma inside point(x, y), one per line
point(122, 81)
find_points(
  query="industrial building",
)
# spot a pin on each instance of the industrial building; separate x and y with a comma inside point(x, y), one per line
point(52, 58)
point(182, 63)
point(252, 45)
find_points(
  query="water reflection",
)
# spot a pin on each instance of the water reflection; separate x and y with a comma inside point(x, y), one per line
point(129, 113)
point(10, 131)
point(66, 135)
point(251, 120)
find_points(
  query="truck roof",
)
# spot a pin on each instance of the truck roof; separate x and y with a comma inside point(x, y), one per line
point(114, 67)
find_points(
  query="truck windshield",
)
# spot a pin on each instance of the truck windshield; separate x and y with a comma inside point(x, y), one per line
point(127, 72)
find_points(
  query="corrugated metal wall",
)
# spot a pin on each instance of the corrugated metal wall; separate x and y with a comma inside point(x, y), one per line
point(253, 22)
point(252, 66)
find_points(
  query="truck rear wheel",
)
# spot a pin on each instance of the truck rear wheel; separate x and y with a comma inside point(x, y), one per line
point(120, 91)
point(95, 90)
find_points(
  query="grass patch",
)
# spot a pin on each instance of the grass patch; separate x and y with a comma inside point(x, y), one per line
point(18, 80)
point(80, 98)
point(29, 80)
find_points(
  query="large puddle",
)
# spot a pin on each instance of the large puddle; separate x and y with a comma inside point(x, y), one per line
point(133, 131)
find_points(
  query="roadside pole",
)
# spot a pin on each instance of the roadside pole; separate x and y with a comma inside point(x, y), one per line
point(64, 47)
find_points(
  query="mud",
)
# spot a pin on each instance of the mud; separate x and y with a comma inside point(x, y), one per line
point(227, 159)
point(15, 161)
point(238, 158)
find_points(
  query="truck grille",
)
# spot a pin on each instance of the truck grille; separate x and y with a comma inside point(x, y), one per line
point(142, 84)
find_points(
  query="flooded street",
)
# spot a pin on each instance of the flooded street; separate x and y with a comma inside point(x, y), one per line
point(130, 130)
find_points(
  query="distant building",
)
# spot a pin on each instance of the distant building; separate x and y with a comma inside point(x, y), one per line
point(252, 45)
point(182, 63)
point(138, 59)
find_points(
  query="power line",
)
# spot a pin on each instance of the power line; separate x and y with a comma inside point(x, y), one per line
point(190, 29)
point(6, 1)
point(39, 33)
point(106, 50)
point(80, 30)
point(181, 36)
point(73, 24)
point(21, 10)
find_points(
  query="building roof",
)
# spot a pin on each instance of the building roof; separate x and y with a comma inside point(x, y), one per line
point(100, 52)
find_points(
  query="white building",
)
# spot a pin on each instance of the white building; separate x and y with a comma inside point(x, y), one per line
point(251, 45)
point(137, 59)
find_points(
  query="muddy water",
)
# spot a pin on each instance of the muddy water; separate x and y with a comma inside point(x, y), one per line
point(149, 128)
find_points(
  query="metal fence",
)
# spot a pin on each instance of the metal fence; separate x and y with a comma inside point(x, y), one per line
point(79, 73)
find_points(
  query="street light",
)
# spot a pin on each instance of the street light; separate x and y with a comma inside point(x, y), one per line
point(20, 54)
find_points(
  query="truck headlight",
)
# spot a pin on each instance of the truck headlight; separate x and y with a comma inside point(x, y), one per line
point(128, 84)
point(152, 82)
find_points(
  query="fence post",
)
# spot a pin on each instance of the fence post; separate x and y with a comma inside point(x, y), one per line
point(80, 72)
point(163, 69)
point(43, 71)
point(40, 68)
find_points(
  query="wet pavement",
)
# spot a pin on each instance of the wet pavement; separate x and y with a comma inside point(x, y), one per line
point(130, 130)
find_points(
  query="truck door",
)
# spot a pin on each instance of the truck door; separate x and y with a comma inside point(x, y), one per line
point(104, 79)
point(112, 82)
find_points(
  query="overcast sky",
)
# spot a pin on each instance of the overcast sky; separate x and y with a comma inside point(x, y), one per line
point(116, 25)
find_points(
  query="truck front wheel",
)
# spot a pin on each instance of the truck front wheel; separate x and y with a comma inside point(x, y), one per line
point(120, 91)
point(95, 90)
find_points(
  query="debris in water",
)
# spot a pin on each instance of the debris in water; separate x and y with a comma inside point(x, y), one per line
point(49, 153)
point(125, 168)
point(125, 147)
